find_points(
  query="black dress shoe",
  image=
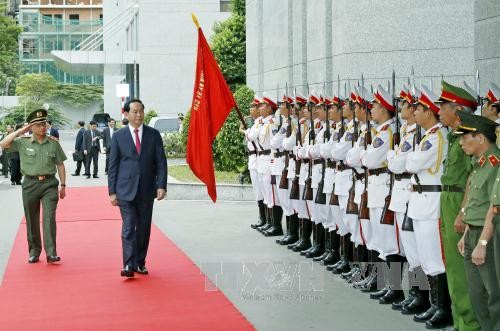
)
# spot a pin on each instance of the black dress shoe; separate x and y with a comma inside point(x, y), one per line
point(88, 176)
point(141, 270)
point(75, 174)
point(19, 183)
point(377, 295)
point(391, 296)
point(33, 259)
point(128, 271)
point(426, 315)
point(53, 259)
point(95, 176)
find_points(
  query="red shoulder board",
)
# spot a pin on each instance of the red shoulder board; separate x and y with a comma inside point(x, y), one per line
point(384, 127)
point(494, 161)
point(318, 125)
point(271, 121)
point(481, 161)
point(434, 130)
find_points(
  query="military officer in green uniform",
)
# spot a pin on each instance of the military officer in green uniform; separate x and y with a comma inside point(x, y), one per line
point(457, 167)
point(40, 157)
point(493, 218)
point(477, 138)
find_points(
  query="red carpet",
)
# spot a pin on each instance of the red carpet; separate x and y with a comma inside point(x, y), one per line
point(86, 292)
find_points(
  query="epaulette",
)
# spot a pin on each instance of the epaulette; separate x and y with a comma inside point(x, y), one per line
point(271, 121)
point(318, 125)
point(434, 130)
point(384, 127)
point(494, 160)
point(481, 161)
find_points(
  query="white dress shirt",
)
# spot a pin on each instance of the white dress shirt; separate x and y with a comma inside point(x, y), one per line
point(132, 129)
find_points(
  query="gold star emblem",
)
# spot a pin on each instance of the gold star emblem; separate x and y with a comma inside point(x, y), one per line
point(39, 114)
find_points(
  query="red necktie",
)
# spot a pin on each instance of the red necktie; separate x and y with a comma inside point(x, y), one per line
point(137, 142)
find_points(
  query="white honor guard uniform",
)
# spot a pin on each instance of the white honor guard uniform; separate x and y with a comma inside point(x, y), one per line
point(343, 176)
point(288, 144)
point(426, 163)
point(252, 154)
point(360, 229)
point(300, 205)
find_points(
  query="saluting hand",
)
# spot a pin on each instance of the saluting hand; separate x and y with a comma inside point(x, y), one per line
point(25, 129)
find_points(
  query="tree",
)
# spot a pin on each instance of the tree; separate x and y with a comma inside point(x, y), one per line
point(228, 45)
point(10, 67)
point(35, 89)
point(78, 95)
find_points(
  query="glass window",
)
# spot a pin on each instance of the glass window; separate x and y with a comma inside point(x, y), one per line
point(167, 125)
point(74, 19)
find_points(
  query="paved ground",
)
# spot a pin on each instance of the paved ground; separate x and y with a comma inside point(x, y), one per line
point(273, 287)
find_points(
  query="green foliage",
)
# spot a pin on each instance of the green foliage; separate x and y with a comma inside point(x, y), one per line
point(149, 115)
point(10, 67)
point(36, 88)
point(229, 48)
point(78, 95)
point(185, 127)
point(229, 146)
point(238, 7)
point(173, 145)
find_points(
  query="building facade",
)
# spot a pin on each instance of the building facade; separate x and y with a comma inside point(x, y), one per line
point(57, 25)
point(315, 41)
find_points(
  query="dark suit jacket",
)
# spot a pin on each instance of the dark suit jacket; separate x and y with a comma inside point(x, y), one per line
point(54, 132)
point(87, 139)
point(129, 172)
point(79, 140)
point(107, 137)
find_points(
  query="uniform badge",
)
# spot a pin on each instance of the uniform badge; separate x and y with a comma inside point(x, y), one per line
point(481, 161)
point(348, 136)
point(283, 130)
point(426, 146)
point(274, 131)
point(335, 136)
point(494, 161)
point(378, 142)
point(406, 147)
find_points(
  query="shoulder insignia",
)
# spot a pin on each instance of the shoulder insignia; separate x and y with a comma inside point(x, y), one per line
point(271, 121)
point(318, 125)
point(481, 161)
point(406, 147)
point(348, 136)
point(377, 142)
point(494, 161)
point(426, 146)
point(282, 130)
point(384, 127)
point(434, 130)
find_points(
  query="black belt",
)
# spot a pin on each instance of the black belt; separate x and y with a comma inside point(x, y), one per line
point(426, 188)
point(319, 161)
point(358, 176)
point(251, 153)
point(40, 177)
point(404, 175)
point(452, 188)
point(265, 152)
point(305, 160)
point(292, 156)
point(280, 154)
point(331, 164)
point(378, 171)
point(341, 166)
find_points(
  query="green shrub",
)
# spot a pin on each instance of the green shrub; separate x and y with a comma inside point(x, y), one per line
point(149, 115)
point(173, 145)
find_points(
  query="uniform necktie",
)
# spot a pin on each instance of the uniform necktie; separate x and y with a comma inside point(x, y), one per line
point(93, 141)
point(137, 141)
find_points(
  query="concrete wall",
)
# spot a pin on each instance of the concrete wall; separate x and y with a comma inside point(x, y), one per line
point(79, 114)
point(313, 41)
point(487, 42)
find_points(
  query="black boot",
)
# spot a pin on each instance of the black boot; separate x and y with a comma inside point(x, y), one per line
point(305, 242)
point(355, 264)
point(395, 293)
point(334, 255)
point(341, 253)
point(276, 229)
point(301, 231)
point(319, 248)
point(280, 240)
point(371, 281)
point(310, 229)
point(262, 215)
point(426, 315)
point(361, 257)
point(398, 305)
point(442, 317)
point(381, 273)
point(328, 247)
point(345, 266)
point(419, 304)
point(269, 221)
point(294, 230)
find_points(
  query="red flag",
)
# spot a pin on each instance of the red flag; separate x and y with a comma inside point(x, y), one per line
point(212, 102)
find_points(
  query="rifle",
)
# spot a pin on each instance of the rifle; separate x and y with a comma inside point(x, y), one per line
point(334, 198)
point(273, 177)
point(387, 216)
point(295, 189)
point(284, 174)
point(308, 191)
point(364, 211)
point(352, 207)
point(320, 196)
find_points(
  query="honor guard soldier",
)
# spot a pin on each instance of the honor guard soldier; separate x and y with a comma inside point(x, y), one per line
point(343, 184)
point(41, 156)
point(491, 109)
point(457, 167)
point(426, 165)
point(417, 301)
point(252, 160)
point(477, 138)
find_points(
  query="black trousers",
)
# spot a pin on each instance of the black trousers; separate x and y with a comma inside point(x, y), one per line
point(108, 152)
point(136, 229)
point(15, 170)
point(92, 157)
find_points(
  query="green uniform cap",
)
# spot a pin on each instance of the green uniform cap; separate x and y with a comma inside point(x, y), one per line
point(451, 93)
point(39, 115)
point(470, 123)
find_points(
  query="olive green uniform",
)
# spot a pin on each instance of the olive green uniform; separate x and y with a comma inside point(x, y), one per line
point(38, 165)
point(495, 201)
point(457, 167)
point(482, 280)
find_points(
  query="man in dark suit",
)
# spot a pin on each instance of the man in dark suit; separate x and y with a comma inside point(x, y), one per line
point(91, 148)
point(137, 174)
point(107, 136)
point(79, 146)
point(52, 132)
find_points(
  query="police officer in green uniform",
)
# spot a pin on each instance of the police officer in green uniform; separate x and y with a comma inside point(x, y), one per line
point(493, 218)
point(40, 157)
point(457, 167)
point(477, 138)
